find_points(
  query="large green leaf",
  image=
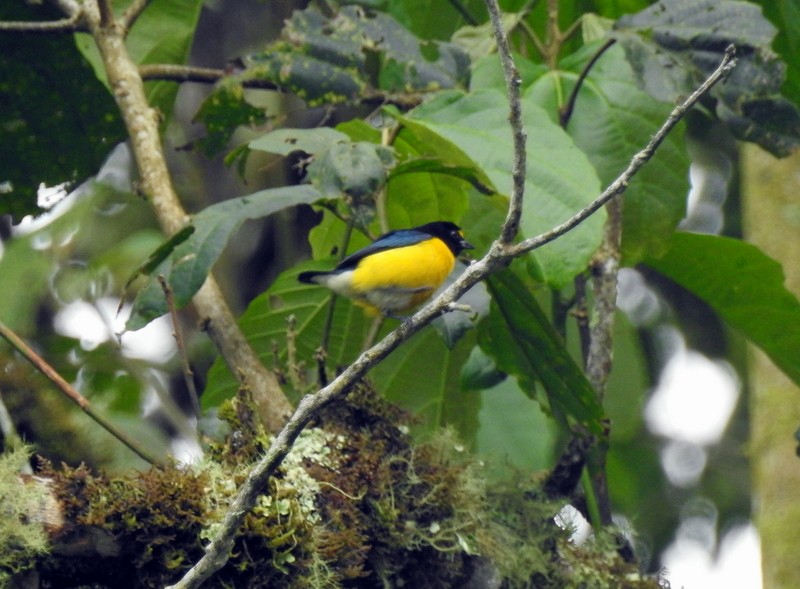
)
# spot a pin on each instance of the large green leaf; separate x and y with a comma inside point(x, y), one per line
point(191, 259)
point(431, 19)
point(424, 375)
point(612, 120)
point(745, 286)
point(163, 33)
point(437, 396)
point(350, 39)
point(520, 339)
point(58, 122)
point(286, 141)
point(514, 435)
point(674, 45)
point(786, 15)
point(560, 180)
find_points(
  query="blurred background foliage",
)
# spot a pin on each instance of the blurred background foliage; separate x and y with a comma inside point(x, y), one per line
point(430, 66)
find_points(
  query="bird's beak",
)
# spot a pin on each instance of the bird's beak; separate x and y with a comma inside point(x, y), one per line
point(465, 245)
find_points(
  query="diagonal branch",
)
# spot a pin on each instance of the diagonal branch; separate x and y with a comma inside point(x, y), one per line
point(142, 124)
point(499, 256)
point(73, 394)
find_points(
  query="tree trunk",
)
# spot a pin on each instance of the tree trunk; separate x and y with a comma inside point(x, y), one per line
point(772, 221)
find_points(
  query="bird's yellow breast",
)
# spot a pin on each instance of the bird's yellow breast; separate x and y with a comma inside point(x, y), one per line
point(422, 265)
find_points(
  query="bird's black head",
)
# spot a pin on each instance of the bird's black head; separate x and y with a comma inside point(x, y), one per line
point(448, 232)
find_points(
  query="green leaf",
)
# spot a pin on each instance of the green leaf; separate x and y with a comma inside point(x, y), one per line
point(437, 166)
point(424, 376)
point(286, 141)
point(673, 46)
point(560, 180)
point(418, 191)
point(334, 59)
point(160, 254)
point(222, 112)
point(163, 33)
point(58, 122)
point(356, 170)
point(191, 261)
point(478, 41)
point(745, 286)
point(430, 19)
point(514, 433)
point(612, 120)
point(480, 371)
point(787, 15)
point(520, 339)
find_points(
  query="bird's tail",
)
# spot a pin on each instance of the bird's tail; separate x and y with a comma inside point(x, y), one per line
point(311, 277)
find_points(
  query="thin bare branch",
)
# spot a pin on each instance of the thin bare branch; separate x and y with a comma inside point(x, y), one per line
point(519, 137)
point(73, 24)
point(187, 73)
point(621, 183)
point(186, 369)
point(72, 393)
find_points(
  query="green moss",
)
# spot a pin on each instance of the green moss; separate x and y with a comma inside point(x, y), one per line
point(22, 539)
point(356, 504)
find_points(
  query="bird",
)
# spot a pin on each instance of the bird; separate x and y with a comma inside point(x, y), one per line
point(397, 272)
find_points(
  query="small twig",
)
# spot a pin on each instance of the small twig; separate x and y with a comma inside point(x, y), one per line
point(187, 73)
point(326, 329)
point(73, 24)
point(320, 356)
point(72, 393)
point(372, 334)
point(499, 255)
point(513, 83)
point(188, 373)
point(388, 135)
point(132, 13)
point(566, 111)
point(619, 185)
point(293, 371)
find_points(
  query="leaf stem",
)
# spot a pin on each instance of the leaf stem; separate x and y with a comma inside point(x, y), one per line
point(566, 112)
point(186, 369)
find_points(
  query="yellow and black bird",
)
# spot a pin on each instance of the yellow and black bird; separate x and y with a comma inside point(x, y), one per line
point(398, 271)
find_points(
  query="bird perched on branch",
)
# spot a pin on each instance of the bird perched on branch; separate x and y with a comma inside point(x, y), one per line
point(398, 271)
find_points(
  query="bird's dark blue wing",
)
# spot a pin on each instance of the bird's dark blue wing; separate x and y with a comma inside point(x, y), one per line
point(391, 240)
